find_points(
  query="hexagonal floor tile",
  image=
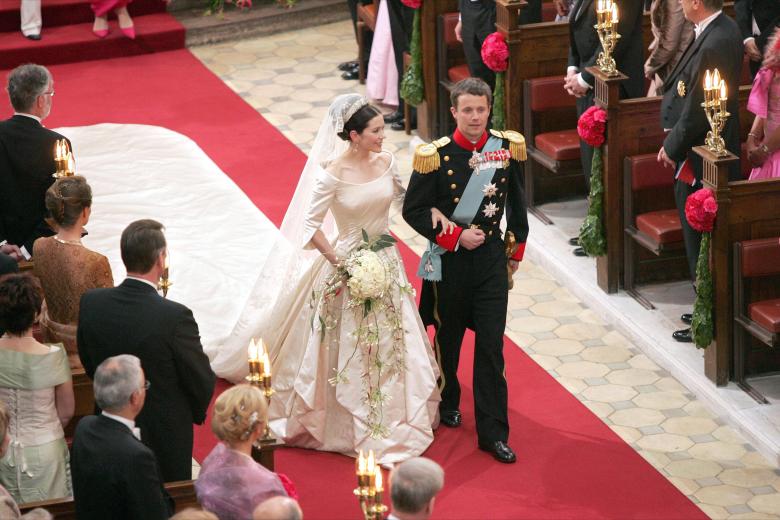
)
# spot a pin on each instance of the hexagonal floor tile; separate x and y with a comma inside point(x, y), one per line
point(637, 417)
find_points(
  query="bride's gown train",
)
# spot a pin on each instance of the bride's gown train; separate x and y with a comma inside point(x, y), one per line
point(309, 350)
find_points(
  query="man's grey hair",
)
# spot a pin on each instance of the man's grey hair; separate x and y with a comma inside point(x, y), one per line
point(278, 508)
point(413, 483)
point(115, 381)
point(25, 84)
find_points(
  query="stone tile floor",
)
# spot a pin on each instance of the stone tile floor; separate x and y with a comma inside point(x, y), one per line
point(290, 78)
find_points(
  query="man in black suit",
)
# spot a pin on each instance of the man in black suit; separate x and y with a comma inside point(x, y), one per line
point(114, 475)
point(26, 158)
point(717, 45)
point(584, 50)
point(134, 319)
point(477, 21)
point(757, 21)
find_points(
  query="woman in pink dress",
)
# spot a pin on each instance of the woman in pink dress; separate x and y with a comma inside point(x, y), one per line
point(382, 77)
point(101, 8)
point(763, 143)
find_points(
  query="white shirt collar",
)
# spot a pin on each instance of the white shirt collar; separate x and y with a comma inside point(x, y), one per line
point(147, 282)
point(127, 422)
point(699, 28)
point(28, 115)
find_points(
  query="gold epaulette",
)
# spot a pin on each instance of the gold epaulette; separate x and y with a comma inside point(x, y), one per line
point(426, 156)
point(516, 143)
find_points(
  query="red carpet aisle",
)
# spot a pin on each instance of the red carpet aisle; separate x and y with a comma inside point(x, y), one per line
point(67, 33)
point(570, 465)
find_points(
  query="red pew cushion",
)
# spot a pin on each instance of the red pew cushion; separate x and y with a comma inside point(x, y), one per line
point(561, 146)
point(548, 93)
point(458, 73)
point(662, 226)
point(760, 257)
point(766, 313)
point(449, 21)
point(647, 172)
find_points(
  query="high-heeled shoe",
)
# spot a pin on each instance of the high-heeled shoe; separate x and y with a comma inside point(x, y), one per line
point(100, 33)
point(100, 27)
point(128, 31)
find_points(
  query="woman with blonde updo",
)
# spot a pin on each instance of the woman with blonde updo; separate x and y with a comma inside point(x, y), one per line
point(231, 484)
point(65, 267)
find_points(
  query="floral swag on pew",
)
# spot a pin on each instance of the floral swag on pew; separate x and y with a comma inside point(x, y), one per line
point(592, 127)
point(495, 55)
point(412, 83)
point(701, 208)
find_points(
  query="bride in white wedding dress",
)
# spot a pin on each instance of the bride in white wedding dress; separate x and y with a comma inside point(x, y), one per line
point(347, 376)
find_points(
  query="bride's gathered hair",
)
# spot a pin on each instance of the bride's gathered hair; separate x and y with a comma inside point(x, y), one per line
point(66, 199)
point(237, 411)
point(359, 121)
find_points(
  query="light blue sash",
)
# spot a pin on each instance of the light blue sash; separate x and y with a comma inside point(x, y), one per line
point(465, 211)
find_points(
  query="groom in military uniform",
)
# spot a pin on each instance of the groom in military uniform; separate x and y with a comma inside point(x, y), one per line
point(470, 177)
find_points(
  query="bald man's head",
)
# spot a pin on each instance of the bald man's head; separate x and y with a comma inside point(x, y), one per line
point(278, 508)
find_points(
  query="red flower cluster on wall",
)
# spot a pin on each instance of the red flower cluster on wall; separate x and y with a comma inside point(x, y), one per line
point(414, 4)
point(592, 126)
point(495, 52)
point(701, 208)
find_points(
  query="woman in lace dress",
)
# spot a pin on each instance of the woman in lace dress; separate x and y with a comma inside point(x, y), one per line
point(763, 143)
point(347, 378)
point(65, 267)
point(35, 386)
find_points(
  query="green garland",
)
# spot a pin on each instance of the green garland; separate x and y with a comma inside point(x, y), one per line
point(412, 89)
point(498, 103)
point(701, 325)
point(593, 237)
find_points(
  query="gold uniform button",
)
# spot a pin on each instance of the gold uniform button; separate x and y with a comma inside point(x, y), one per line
point(503, 179)
point(456, 200)
point(453, 186)
point(450, 172)
point(495, 222)
point(446, 158)
point(490, 233)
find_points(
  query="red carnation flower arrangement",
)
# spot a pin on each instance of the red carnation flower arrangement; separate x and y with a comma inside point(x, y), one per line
point(592, 126)
point(414, 4)
point(701, 208)
point(495, 52)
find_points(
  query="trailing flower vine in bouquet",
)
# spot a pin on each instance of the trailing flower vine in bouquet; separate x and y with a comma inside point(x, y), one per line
point(592, 128)
point(370, 284)
point(701, 209)
point(412, 88)
point(495, 55)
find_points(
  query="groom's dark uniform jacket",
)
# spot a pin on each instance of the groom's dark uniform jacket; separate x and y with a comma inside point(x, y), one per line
point(474, 285)
point(718, 47)
point(26, 168)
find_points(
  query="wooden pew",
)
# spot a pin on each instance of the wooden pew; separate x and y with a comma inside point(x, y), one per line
point(747, 210)
point(633, 128)
point(183, 494)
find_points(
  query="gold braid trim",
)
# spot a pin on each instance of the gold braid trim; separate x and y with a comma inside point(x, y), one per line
point(426, 156)
point(516, 143)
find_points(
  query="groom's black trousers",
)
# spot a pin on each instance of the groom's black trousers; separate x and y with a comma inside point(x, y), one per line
point(473, 294)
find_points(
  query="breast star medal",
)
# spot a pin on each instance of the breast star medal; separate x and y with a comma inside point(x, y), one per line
point(489, 189)
point(681, 88)
point(490, 210)
point(474, 161)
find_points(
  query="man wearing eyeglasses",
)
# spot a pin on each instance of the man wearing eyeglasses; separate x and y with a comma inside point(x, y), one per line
point(26, 160)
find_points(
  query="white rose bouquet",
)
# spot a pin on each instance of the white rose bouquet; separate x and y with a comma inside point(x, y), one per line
point(368, 278)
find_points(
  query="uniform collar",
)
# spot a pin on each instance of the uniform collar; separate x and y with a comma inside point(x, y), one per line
point(464, 143)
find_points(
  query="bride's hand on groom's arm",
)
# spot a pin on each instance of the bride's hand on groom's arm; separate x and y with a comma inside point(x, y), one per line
point(437, 217)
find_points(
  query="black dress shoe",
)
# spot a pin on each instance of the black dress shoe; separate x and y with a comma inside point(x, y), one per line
point(350, 74)
point(451, 419)
point(395, 116)
point(33, 37)
point(500, 451)
point(574, 241)
point(579, 252)
point(686, 318)
point(348, 65)
point(400, 125)
point(683, 336)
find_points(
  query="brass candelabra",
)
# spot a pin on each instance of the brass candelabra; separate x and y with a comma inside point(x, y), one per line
point(606, 27)
point(715, 100)
point(260, 376)
point(370, 487)
point(165, 283)
point(63, 158)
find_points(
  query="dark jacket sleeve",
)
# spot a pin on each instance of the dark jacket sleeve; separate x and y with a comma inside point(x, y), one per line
point(744, 15)
point(146, 498)
point(192, 366)
point(629, 28)
point(84, 347)
point(516, 214)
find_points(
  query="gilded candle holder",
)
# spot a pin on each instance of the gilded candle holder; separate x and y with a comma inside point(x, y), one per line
point(606, 28)
point(717, 115)
point(165, 283)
